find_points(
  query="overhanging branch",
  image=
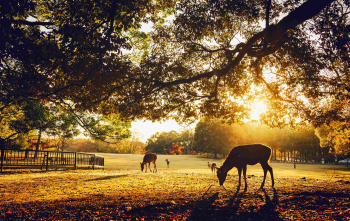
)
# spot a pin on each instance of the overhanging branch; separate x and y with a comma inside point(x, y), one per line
point(304, 12)
point(31, 23)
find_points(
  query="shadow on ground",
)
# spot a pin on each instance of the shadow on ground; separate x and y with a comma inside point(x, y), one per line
point(214, 208)
point(208, 209)
point(266, 204)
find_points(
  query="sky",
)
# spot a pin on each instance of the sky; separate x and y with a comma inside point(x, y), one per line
point(147, 128)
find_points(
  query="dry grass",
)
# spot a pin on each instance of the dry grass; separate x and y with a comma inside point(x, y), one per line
point(193, 163)
point(123, 187)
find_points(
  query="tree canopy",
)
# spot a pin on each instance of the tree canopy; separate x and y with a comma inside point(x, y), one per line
point(216, 56)
point(69, 51)
point(211, 59)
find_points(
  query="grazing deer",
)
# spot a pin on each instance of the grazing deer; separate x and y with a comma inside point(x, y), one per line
point(148, 158)
point(167, 162)
point(209, 165)
point(242, 156)
point(213, 167)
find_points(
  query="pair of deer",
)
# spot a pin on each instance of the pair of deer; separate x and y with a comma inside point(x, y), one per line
point(151, 158)
point(239, 157)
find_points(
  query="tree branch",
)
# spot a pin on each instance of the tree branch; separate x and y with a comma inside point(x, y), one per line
point(204, 48)
point(267, 19)
point(304, 12)
point(32, 23)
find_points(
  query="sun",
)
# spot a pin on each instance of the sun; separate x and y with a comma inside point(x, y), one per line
point(257, 109)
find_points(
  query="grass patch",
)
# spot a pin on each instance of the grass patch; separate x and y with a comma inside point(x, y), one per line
point(195, 163)
point(181, 192)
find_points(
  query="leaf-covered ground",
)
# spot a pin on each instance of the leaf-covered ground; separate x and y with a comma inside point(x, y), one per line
point(168, 195)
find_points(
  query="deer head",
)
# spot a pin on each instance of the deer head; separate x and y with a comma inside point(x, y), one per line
point(222, 173)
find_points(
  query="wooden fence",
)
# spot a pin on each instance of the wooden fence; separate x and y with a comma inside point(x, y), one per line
point(15, 159)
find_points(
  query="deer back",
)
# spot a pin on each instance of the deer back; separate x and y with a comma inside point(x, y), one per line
point(150, 157)
point(247, 154)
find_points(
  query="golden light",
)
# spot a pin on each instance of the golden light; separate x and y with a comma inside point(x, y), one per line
point(257, 109)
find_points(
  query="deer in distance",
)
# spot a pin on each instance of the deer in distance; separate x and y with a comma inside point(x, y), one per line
point(213, 167)
point(240, 157)
point(148, 159)
point(167, 162)
point(209, 165)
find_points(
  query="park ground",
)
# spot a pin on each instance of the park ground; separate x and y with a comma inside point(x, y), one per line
point(186, 191)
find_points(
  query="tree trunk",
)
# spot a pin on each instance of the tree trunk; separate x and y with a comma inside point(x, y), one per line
point(37, 144)
point(281, 154)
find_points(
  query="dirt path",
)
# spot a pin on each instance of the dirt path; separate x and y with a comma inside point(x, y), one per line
point(132, 195)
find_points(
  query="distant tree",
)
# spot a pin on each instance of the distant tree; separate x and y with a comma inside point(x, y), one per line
point(286, 141)
point(186, 140)
point(135, 142)
point(161, 142)
point(175, 149)
point(212, 136)
point(306, 143)
point(81, 145)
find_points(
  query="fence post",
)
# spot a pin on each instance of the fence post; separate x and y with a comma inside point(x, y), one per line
point(47, 160)
point(93, 162)
point(2, 158)
point(75, 160)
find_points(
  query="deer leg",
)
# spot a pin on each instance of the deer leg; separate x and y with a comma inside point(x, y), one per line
point(264, 166)
point(245, 178)
point(271, 173)
point(155, 167)
point(149, 166)
point(239, 178)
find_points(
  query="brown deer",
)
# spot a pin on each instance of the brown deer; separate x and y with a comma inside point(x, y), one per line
point(148, 158)
point(242, 156)
point(209, 165)
point(167, 162)
point(213, 167)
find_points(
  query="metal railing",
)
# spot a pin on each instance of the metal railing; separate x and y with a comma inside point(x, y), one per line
point(15, 159)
